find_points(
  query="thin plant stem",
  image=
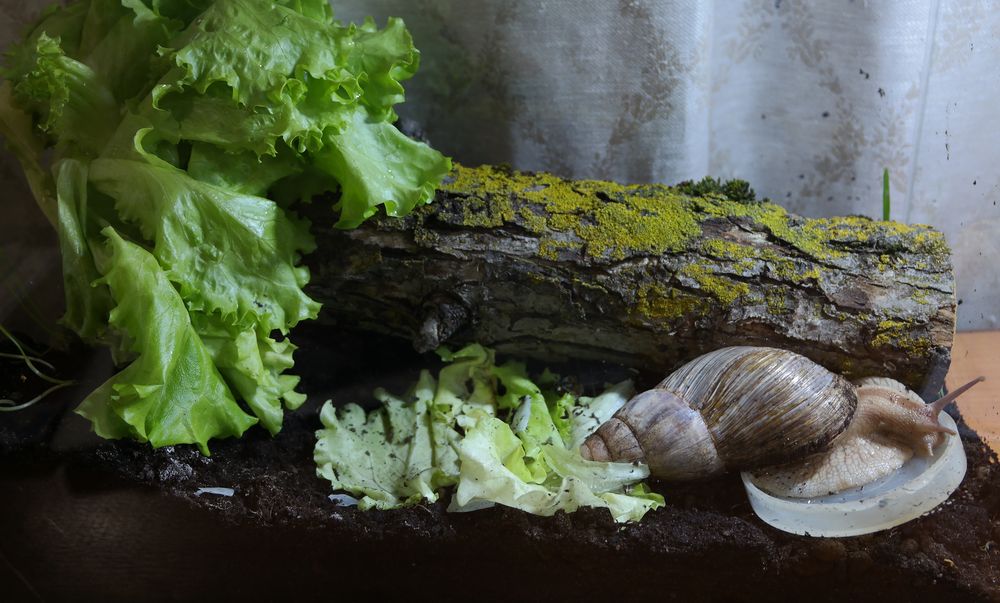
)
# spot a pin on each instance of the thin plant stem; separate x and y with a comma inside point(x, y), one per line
point(10, 406)
point(35, 359)
point(7, 405)
point(29, 360)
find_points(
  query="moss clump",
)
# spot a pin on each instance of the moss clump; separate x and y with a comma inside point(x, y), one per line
point(478, 212)
point(920, 296)
point(823, 239)
point(899, 335)
point(775, 302)
point(647, 225)
point(550, 248)
point(532, 220)
point(894, 236)
point(727, 291)
point(666, 303)
point(614, 220)
point(734, 190)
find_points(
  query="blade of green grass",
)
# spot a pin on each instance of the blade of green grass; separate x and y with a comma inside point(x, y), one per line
point(885, 194)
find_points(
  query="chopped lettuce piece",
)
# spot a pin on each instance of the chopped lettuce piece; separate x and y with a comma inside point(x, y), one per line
point(491, 473)
point(448, 432)
point(470, 366)
point(589, 413)
point(401, 453)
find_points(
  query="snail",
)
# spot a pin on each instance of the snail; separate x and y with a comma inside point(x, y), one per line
point(805, 430)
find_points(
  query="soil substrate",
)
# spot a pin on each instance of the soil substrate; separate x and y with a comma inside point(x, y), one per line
point(83, 519)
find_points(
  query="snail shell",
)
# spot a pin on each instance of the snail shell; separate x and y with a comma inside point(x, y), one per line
point(738, 408)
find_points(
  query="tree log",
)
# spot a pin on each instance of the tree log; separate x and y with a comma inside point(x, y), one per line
point(648, 276)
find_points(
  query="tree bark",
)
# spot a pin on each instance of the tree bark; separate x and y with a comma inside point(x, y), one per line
point(648, 276)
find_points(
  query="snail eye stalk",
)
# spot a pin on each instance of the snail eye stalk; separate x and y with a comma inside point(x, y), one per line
point(939, 404)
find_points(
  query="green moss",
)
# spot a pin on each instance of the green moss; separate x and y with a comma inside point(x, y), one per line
point(487, 213)
point(745, 256)
point(729, 250)
point(614, 221)
point(646, 225)
point(550, 248)
point(806, 237)
point(610, 219)
point(666, 303)
point(488, 193)
point(899, 335)
point(734, 190)
point(789, 270)
point(775, 302)
point(727, 291)
point(817, 238)
point(533, 221)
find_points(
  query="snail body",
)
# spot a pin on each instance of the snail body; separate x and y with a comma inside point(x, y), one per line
point(806, 430)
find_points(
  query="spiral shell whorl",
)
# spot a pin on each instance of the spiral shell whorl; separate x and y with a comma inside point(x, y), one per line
point(764, 405)
point(660, 429)
point(733, 409)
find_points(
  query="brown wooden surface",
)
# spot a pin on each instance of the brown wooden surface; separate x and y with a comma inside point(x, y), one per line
point(978, 353)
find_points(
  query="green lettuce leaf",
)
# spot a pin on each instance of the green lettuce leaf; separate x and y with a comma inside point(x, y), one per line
point(254, 365)
point(22, 140)
point(74, 105)
point(300, 83)
point(171, 393)
point(227, 252)
point(175, 125)
point(88, 304)
point(375, 164)
point(448, 432)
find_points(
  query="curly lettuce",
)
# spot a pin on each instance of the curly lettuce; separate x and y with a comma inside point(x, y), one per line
point(449, 432)
point(165, 141)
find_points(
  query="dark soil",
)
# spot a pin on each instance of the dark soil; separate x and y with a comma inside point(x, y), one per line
point(83, 519)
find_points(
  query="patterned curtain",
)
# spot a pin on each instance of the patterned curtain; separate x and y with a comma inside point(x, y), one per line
point(809, 100)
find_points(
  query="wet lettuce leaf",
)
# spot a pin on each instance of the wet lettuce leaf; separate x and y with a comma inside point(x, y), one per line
point(449, 431)
point(160, 134)
point(172, 392)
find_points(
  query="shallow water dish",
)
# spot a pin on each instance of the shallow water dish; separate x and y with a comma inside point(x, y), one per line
point(917, 487)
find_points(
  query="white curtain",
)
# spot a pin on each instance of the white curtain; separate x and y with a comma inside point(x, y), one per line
point(808, 100)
